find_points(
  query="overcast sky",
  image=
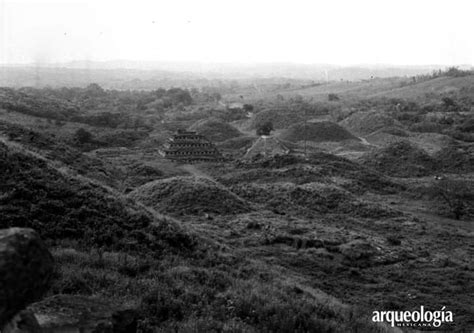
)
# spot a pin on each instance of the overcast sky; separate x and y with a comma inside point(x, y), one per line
point(343, 32)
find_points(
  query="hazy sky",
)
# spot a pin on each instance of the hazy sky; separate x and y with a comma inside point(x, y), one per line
point(332, 31)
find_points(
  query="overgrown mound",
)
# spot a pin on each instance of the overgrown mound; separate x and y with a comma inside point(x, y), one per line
point(54, 149)
point(432, 143)
point(59, 206)
point(190, 196)
point(455, 158)
point(287, 196)
point(283, 114)
point(141, 173)
point(401, 159)
point(316, 132)
point(316, 197)
point(216, 130)
point(279, 117)
point(36, 103)
point(242, 142)
point(393, 130)
point(316, 167)
point(364, 123)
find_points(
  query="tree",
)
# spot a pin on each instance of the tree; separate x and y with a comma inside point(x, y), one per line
point(455, 196)
point(265, 128)
point(83, 136)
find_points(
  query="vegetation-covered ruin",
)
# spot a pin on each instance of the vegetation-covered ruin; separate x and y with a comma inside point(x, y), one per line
point(370, 208)
point(189, 146)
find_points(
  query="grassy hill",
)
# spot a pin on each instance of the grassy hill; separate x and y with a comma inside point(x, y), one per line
point(378, 87)
point(316, 132)
point(215, 130)
point(63, 206)
point(436, 86)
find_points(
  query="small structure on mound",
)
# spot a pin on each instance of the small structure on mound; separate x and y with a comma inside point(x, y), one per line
point(189, 147)
point(266, 146)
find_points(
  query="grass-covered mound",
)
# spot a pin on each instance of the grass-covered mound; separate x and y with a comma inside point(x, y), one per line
point(280, 118)
point(215, 130)
point(318, 167)
point(242, 142)
point(364, 123)
point(432, 143)
point(189, 195)
point(455, 158)
point(59, 206)
point(54, 149)
point(316, 132)
point(33, 102)
point(400, 159)
point(325, 198)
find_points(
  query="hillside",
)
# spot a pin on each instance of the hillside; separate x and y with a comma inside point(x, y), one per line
point(364, 123)
point(316, 132)
point(401, 159)
point(440, 85)
point(190, 195)
point(215, 130)
point(59, 205)
point(395, 87)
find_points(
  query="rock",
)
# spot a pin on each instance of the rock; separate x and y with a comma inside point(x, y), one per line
point(357, 250)
point(26, 267)
point(68, 313)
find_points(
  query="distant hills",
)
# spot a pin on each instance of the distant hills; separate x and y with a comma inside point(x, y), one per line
point(123, 74)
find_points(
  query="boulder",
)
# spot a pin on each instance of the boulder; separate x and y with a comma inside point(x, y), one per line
point(26, 267)
point(74, 313)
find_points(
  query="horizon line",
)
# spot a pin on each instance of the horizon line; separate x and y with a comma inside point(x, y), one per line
point(65, 64)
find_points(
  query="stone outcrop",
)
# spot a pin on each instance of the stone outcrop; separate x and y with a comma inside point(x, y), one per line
point(68, 313)
point(26, 267)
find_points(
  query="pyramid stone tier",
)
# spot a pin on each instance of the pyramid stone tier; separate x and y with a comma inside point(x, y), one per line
point(187, 146)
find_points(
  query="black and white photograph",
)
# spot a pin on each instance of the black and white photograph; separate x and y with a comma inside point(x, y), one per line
point(227, 166)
